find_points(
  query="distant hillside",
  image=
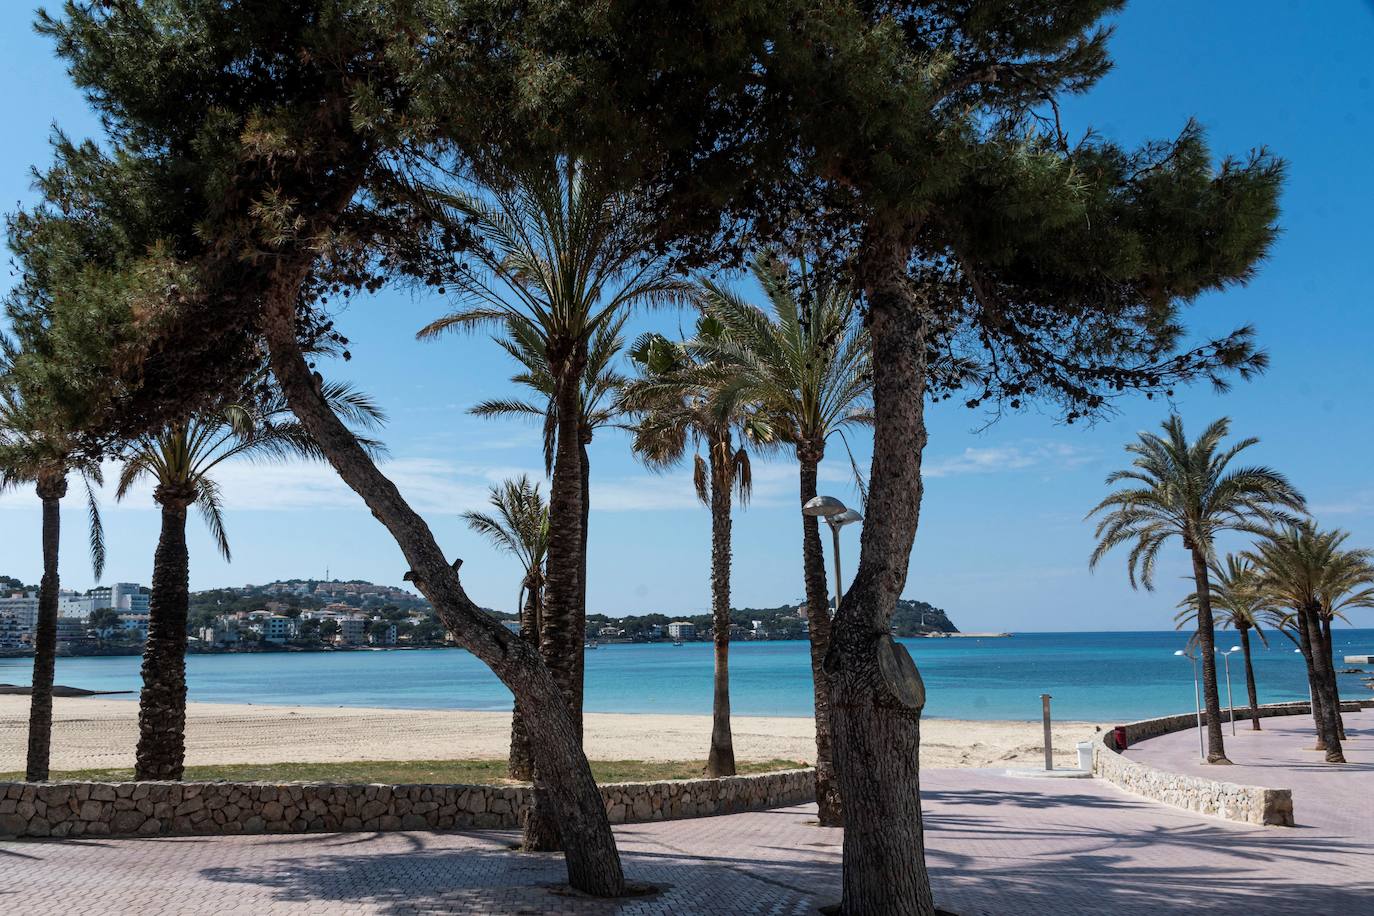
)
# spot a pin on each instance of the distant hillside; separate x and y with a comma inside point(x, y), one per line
point(912, 618)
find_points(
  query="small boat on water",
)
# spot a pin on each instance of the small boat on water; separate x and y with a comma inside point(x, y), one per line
point(677, 642)
point(590, 645)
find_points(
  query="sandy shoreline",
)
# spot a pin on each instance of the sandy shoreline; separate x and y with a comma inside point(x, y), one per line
point(93, 732)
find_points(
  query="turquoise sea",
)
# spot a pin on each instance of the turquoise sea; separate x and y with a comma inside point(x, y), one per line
point(1091, 676)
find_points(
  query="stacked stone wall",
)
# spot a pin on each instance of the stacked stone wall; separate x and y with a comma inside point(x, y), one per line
point(62, 809)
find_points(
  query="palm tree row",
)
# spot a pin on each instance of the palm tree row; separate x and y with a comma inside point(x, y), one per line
point(38, 447)
point(558, 260)
point(561, 274)
point(1296, 577)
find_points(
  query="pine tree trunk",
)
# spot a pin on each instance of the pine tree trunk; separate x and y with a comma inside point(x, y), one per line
point(161, 750)
point(721, 759)
point(51, 489)
point(1206, 645)
point(876, 692)
point(1323, 679)
point(592, 860)
point(565, 625)
point(521, 763)
point(1251, 693)
point(830, 811)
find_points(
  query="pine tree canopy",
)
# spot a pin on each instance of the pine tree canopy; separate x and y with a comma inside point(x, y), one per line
point(256, 146)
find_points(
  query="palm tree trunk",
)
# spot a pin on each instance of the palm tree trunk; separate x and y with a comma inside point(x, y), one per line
point(521, 763)
point(1323, 679)
point(592, 860)
point(830, 812)
point(721, 759)
point(586, 481)
point(1250, 691)
point(565, 625)
point(1318, 714)
point(51, 489)
point(1331, 666)
point(1206, 643)
point(161, 750)
point(875, 688)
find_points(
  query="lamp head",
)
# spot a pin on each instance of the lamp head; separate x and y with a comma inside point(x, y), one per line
point(1235, 648)
point(823, 506)
point(1178, 652)
point(847, 517)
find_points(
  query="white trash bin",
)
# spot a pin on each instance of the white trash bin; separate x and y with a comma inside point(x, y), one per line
point(1085, 755)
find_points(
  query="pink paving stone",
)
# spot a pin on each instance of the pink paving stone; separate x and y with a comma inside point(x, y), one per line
point(997, 846)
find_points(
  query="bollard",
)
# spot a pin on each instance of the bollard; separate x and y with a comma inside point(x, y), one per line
point(1049, 745)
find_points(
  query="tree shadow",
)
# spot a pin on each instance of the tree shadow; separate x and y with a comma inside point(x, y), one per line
point(1003, 863)
point(479, 874)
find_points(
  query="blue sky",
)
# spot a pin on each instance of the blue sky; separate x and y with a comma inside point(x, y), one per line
point(1002, 543)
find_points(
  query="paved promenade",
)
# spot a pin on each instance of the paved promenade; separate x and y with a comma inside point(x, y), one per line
point(1338, 799)
point(998, 846)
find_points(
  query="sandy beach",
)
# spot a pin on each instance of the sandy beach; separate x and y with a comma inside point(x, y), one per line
point(92, 732)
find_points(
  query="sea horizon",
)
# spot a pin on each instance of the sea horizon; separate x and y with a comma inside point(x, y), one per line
point(1091, 676)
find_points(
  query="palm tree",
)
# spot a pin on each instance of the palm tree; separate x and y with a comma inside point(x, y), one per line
point(807, 368)
point(681, 403)
point(598, 409)
point(1311, 572)
point(40, 445)
point(559, 250)
point(520, 526)
point(36, 448)
point(1243, 604)
point(180, 460)
point(1184, 489)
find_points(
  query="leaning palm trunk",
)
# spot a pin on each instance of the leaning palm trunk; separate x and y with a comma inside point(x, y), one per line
point(828, 806)
point(51, 489)
point(1251, 692)
point(592, 861)
point(161, 750)
point(564, 625)
point(1323, 678)
point(521, 763)
point(721, 759)
point(874, 685)
point(1206, 643)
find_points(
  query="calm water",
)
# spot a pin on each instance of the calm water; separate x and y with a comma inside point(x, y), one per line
point(1094, 676)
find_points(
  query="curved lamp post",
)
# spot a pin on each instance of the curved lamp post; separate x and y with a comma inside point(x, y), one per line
point(1197, 702)
point(836, 515)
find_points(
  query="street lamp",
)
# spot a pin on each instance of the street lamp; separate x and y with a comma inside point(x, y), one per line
point(836, 515)
point(1197, 702)
point(1231, 703)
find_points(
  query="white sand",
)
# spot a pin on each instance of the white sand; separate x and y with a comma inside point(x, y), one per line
point(91, 732)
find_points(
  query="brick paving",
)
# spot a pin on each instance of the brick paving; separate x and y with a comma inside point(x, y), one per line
point(997, 846)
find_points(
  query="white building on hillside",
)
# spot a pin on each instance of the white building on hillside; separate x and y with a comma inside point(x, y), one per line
point(278, 629)
point(352, 631)
point(681, 629)
point(23, 606)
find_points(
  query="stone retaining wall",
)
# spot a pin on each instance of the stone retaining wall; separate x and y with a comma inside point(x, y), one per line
point(207, 808)
point(1234, 802)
